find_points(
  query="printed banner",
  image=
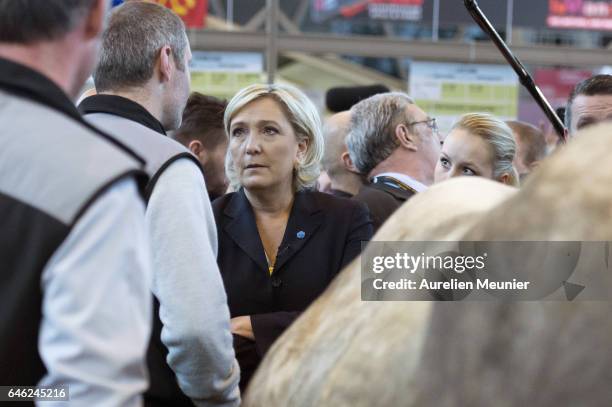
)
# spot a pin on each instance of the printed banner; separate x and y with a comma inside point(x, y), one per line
point(403, 10)
point(222, 74)
point(581, 14)
point(447, 90)
point(192, 12)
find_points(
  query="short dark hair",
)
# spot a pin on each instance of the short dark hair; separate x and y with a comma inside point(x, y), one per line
point(28, 21)
point(531, 138)
point(202, 120)
point(136, 32)
point(595, 85)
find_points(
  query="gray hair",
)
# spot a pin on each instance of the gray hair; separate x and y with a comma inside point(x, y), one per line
point(131, 43)
point(28, 21)
point(373, 121)
point(304, 118)
point(499, 135)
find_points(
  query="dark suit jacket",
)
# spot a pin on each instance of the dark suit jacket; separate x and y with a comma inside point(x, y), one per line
point(382, 200)
point(339, 193)
point(323, 234)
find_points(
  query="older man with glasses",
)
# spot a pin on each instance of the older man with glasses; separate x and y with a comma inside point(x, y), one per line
point(396, 145)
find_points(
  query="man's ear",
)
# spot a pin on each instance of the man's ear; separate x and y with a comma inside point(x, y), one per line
point(196, 147)
point(94, 21)
point(505, 178)
point(405, 137)
point(348, 163)
point(166, 67)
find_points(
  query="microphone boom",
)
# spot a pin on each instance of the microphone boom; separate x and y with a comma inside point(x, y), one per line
point(524, 76)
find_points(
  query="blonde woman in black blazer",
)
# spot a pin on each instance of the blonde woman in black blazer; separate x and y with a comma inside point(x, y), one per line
point(280, 242)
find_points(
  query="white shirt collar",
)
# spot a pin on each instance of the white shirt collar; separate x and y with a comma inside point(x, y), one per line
point(411, 182)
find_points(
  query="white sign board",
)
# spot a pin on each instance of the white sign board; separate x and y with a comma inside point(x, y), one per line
point(222, 74)
point(448, 90)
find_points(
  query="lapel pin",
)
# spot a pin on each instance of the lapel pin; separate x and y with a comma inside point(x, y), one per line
point(301, 234)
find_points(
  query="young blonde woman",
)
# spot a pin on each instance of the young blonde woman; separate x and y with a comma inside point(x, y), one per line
point(479, 144)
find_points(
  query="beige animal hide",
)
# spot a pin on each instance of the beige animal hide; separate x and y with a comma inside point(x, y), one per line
point(345, 352)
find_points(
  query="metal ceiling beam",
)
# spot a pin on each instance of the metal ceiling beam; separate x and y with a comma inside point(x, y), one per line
point(272, 35)
point(396, 48)
point(300, 12)
point(256, 21)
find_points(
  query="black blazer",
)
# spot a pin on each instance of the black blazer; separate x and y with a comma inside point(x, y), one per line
point(382, 200)
point(323, 234)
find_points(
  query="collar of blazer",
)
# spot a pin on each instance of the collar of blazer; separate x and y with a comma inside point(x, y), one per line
point(398, 193)
point(305, 218)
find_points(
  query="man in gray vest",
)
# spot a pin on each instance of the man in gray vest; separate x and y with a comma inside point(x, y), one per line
point(142, 81)
point(75, 301)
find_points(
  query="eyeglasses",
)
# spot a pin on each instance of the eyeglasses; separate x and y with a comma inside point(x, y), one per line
point(431, 123)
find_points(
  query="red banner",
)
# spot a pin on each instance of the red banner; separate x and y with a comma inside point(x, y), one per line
point(193, 12)
point(582, 14)
point(557, 84)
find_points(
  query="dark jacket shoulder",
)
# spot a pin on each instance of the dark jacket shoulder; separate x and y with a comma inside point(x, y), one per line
point(234, 203)
point(335, 203)
point(221, 202)
point(380, 202)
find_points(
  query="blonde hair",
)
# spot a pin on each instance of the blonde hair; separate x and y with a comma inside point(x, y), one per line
point(499, 135)
point(304, 118)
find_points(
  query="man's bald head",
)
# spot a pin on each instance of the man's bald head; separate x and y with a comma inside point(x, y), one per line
point(336, 161)
point(335, 131)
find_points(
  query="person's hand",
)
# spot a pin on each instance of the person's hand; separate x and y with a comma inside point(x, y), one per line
point(242, 326)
